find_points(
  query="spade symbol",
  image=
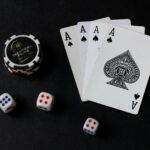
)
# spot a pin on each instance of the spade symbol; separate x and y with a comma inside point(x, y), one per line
point(83, 39)
point(122, 68)
point(109, 40)
point(70, 44)
point(136, 96)
point(95, 38)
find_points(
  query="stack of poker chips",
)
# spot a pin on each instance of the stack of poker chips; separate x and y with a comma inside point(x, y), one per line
point(22, 54)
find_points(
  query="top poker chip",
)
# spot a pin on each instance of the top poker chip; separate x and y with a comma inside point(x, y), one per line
point(22, 51)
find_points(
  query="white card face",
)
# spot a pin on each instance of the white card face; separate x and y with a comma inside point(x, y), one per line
point(82, 32)
point(83, 35)
point(140, 29)
point(69, 37)
point(121, 70)
point(70, 42)
point(73, 52)
point(96, 35)
point(121, 21)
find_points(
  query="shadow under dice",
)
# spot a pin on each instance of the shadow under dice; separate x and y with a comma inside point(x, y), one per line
point(91, 126)
point(45, 101)
point(7, 103)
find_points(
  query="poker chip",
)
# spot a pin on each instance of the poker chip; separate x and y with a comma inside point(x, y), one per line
point(23, 72)
point(22, 54)
point(28, 69)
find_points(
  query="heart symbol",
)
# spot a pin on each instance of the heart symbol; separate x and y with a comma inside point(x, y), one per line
point(136, 96)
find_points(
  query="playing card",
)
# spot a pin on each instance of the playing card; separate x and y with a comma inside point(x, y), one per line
point(121, 71)
point(140, 29)
point(69, 38)
point(96, 35)
point(82, 30)
point(73, 52)
point(119, 21)
point(70, 42)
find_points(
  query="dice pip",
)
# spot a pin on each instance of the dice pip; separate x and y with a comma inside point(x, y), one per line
point(7, 103)
point(91, 126)
point(45, 101)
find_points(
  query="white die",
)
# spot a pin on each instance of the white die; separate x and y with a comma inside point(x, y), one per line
point(7, 103)
point(91, 126)
point(45, 101)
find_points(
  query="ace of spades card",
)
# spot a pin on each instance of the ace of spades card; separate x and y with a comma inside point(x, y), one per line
point(69, 39)
point(82, 30)
point(121, 71)
point(83, 37)
point(98, 31)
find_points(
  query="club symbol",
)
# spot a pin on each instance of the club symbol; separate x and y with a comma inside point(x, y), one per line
point(109, 40)
point(70, 44)
point(95, 38)
point(122, 69)
point(83, 39)
point(136, 96)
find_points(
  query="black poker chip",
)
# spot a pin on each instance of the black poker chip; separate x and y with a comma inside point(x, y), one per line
point(22, 54)
point(22, 51)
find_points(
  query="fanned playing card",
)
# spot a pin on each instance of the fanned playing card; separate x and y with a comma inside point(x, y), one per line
point(73, 50)
point(82, 31)
point(121, 71)
point(70, 42)
point(69, 38)
point(96, 36)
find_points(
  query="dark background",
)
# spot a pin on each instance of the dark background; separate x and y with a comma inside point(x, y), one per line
point(28, 128)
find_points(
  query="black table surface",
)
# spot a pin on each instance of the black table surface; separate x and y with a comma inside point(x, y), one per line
point(28, 128)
